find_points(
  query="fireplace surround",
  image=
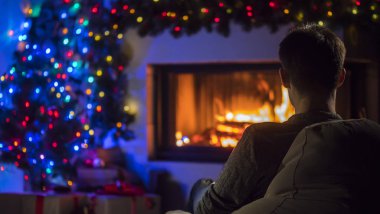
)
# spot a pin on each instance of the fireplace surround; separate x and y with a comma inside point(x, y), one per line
point(198, 111)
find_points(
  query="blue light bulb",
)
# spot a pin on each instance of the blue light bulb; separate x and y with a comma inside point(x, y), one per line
point(63, 15)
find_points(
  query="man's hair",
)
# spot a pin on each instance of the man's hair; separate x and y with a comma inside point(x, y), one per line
point(313, 57)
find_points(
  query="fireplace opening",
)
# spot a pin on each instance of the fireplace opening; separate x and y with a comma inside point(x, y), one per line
point(198, 112)
point(212, 109)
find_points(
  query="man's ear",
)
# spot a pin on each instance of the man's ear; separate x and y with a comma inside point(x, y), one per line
point(284, 76)
point(341, 78)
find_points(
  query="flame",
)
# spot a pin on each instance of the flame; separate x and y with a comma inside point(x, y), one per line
point(231, 126)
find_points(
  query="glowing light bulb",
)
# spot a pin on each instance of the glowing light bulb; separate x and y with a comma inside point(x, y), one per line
point(65, 41)
point(88, 91)
point(98, 38)
point(101, 94)
point(84, 50)
point(63, 15)
point(90, 79)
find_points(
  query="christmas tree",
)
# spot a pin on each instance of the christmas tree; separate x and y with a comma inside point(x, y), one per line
point(67, 86)
point(65, 90)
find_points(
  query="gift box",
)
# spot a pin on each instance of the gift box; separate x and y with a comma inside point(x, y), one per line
point(11, 178)
point(42, 203)
point(96, 177)
point(106, 204)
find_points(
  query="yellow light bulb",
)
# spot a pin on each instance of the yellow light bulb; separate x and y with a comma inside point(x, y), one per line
point(99, 73)
point(86, 127)
point(300, 16)
point(120, 36)
point(97, 37)
point(91, 132)
point(185, 18)
point(321, 23)
point(101, 94)
point(106, 33)
point(139, 19)
point(58, 95)
point(109, 58)
point(375, 17)
point(354, 11)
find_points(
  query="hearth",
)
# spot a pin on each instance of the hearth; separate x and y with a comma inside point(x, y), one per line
point(198, 111)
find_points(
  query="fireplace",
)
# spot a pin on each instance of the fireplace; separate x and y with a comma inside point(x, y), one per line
point(198, 112)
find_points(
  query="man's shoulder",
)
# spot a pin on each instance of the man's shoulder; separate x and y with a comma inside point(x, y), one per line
point(269, 128)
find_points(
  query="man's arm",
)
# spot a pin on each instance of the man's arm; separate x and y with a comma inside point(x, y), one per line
point(236, 184)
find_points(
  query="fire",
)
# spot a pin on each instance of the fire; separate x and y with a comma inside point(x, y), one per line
point(230, 126)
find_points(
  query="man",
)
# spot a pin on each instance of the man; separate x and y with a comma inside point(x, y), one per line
point(312, 60)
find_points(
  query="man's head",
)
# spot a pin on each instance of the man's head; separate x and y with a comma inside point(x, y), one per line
point(312, 59)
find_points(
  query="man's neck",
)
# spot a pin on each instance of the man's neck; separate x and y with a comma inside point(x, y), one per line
point(315, 103)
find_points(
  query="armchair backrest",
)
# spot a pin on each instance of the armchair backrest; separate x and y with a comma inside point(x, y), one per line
point(331, 167)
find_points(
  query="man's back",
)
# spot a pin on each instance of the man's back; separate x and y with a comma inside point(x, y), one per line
point(254, 162)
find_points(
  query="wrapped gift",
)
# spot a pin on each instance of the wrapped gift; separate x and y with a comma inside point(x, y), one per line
point(107, 204)
point(11, 178)
point(42, 203)
point(96, 177)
